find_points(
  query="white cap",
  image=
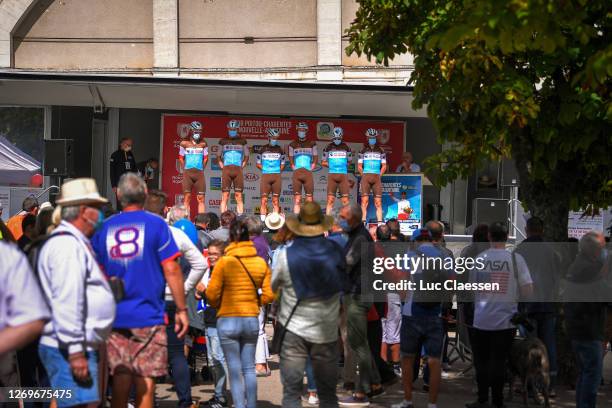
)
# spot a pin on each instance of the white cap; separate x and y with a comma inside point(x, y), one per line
point(274, 221)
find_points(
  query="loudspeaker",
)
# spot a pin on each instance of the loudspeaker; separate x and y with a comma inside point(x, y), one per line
point(59, 158)
point(489, 210)
point(508, 174)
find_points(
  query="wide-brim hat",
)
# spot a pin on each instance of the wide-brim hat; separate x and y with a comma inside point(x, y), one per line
point(274, 221)
point(81, 191)
point(310, 221)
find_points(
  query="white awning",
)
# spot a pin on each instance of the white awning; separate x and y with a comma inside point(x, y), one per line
point(204, 95)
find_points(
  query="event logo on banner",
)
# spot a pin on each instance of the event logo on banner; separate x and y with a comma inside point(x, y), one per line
point(253, 129)
point(406, 208)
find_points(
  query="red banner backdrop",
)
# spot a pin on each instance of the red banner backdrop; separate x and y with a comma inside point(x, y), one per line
point(176, 127)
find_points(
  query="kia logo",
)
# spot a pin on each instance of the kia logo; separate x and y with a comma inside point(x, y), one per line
point(251, 177)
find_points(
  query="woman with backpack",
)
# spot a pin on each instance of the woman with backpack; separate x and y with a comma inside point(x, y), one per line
point(239, 286)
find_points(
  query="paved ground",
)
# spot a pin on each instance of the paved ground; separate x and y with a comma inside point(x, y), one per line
point(456, 391)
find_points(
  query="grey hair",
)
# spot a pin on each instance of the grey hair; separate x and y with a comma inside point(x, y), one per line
point(132, 189)
point(178, 212)
point(355, 210)
point(589, 243)
point(254, 225)
point(71, 213)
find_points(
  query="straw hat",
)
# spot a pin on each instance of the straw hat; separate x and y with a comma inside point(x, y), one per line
point(80, 191)
point(310, 222)
point(274, 221)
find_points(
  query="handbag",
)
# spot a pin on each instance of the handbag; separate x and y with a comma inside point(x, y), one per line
point(279, 332)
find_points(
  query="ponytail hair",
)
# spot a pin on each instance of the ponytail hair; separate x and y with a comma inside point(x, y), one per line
point(239, 231)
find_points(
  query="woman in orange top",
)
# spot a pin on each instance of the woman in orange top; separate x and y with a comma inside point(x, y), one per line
point(239, 286)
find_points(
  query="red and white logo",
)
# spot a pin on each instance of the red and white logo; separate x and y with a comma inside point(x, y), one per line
point(251, 177)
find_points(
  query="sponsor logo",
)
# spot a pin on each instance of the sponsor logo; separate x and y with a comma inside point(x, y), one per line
point(249, 188)
point(257, 148)
point(251, 177)
point(322, 179)
point(325, 130)
point(214, 149)
point(214, 203)
point(215, 183)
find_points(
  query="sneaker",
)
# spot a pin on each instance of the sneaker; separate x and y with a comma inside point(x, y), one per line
point(403, 404)
point(397, 369)
point(216, 402)
point(263, 373)
point(376, 393)
point(354, 401)
point(445, 374)
point(311, 400)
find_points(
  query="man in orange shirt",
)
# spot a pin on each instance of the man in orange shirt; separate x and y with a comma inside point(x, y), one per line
point(29, 206)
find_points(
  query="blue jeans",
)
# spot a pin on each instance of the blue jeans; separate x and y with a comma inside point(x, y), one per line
point(178, 363)
point(310, 378)
point(238, 337)
point(216, 360)
point(589, 354)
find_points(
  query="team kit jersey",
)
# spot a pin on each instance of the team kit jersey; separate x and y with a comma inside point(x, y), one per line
point(194, 155)
point(233, 151)
point(132, 246)
point(271, 158)
point(338, 158)
point(372, 159)
point(303, 154)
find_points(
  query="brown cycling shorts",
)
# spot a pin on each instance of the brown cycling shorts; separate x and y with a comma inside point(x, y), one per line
point(232, 175)
point(142, 352)
point(337, 182)
point(371, 183)
point(302, 177)
point(194, 178)
point(270, 183)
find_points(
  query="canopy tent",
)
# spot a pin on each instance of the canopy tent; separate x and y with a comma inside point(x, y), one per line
point(16, 167)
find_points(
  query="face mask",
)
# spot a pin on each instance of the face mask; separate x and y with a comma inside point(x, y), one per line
point(344, 225)
point(96, 225)
point(302, 135)
point(337, 141)
point(372, 141)
point(273, 142)
point(233, 133)
point(127, 149)
point(196, 137)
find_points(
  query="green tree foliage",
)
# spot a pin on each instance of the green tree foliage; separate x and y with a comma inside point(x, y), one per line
point(24, 128)
point(527, 79)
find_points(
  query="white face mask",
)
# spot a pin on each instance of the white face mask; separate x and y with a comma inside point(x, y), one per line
point(196, 137)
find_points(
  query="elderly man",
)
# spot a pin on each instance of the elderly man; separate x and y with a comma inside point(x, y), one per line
point(78, 293)
point(309, 274)
point(138, 248)
point(357, 308)
point(586, 295)
point(407, 166)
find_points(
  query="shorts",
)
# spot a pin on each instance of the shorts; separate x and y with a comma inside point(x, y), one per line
point(302, 177)
point(194, 177)
point(142, 351)
point(232, 175)
point(422, 331)
point(270, 183)
point(371, 183)
point(337, 182)
point(392, 323)
point(58, 369)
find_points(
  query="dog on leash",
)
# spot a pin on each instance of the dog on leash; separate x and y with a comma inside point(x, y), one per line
point(529, 362)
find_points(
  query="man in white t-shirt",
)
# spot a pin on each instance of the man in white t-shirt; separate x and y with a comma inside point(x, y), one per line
point(493, 311)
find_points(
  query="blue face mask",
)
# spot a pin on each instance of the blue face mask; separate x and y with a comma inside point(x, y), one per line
point(97, 225)
point(372, 141)
point(344, 225)
point(337, 141)
point(273, 142)
point(233, 133)
point(301, 135)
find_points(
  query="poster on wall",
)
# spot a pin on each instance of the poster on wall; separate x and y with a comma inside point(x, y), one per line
point(579, 224)
point(402, 200)
point(176, 127)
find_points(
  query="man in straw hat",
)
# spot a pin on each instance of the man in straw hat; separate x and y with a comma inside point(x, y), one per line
point(309, 275)
point(78, 294)
point(138, 247)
